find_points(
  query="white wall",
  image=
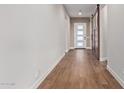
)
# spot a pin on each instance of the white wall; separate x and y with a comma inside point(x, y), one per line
point(32, 41)
point(103, 32)
point(116, 40)
point(67, 27)
point(90, 33)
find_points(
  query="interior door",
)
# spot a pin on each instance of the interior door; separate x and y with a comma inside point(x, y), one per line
point(80, 35)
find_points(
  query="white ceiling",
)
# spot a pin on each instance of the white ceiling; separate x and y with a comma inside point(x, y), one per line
point(73, 9)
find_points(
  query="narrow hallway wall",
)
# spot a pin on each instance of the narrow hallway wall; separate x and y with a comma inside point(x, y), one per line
point(103, 32)
point(32, 41)
point(115, 43)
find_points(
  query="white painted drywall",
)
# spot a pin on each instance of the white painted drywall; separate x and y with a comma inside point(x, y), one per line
point(67, 27)
point(115, 42)
point(103, 32)
point(32, 41)
point(90, 47)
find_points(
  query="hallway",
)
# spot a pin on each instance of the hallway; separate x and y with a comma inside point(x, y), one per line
point(79, 69)
point(61, 46)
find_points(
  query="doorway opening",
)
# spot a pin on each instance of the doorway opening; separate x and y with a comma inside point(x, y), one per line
point(80, 35)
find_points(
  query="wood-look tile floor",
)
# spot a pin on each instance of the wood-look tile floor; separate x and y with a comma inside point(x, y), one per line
point(79, 70)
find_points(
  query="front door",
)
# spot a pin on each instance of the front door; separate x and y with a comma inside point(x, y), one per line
point(80, 35)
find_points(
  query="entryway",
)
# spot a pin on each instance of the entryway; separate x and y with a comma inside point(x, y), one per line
point(80, 35)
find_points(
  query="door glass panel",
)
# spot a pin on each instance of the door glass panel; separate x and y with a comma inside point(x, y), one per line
point(79, 32)
point(80, 27)
point(79, 44)
point(79, 38)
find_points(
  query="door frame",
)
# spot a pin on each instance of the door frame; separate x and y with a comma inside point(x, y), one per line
point(75, 24)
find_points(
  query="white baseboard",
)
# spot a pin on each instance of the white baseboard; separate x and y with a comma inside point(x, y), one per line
point(40, 79)
point(88, 48)
point(103, 59)
point(71, 47)
point(116, 76)
point(67, 50)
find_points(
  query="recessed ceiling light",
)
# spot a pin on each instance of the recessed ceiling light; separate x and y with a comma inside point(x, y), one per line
point(80, 13)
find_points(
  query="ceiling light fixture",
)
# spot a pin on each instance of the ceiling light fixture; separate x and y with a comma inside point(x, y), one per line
point(80, 13)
